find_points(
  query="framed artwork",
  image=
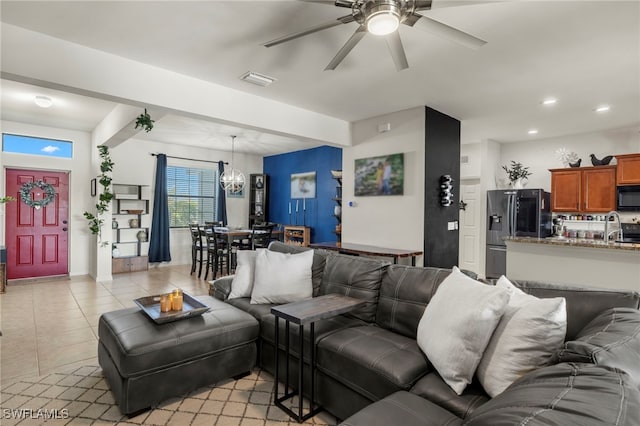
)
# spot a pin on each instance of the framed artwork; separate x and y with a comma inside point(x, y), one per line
point(303, 185)
point(239, 194)
point(382, 175)
point(94, 187)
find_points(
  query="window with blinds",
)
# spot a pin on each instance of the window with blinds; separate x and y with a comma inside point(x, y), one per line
point(192, 195)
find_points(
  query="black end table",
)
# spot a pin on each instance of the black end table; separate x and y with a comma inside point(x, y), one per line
point(301, 313)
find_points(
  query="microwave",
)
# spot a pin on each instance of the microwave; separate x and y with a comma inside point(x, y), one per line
point(628, 198)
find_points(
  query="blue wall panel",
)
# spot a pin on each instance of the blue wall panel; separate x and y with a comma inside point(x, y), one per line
point(319, 211)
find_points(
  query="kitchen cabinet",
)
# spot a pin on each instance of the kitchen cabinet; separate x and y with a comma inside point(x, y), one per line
point(584, 189)
point(628, 171)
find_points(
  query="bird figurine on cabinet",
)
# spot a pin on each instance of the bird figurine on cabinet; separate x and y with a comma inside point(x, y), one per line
point(577, 163)
point(606, 160)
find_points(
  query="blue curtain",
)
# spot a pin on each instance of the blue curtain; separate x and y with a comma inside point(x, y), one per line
point(159, 242)
point(222, 198)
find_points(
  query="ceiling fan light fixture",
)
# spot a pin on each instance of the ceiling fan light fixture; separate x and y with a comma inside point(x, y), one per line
point(383, 19)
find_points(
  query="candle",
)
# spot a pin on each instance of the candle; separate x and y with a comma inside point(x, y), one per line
point(304, 204)
point(176, 302)
point(165, 303)
point(297, 205)
point(289, 207)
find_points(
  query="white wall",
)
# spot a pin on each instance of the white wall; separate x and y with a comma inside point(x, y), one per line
point(540, 156)
point(134, 164)
point(387, 221)
point(80, 200)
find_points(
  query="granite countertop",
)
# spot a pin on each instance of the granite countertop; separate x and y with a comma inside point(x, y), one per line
point(575, 242)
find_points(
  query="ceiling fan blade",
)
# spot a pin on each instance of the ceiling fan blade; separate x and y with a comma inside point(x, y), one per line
point(342, 20)
point(422, 4)
point(348, 46)
point(442, 30)
point(344, 3)
point(397, 51)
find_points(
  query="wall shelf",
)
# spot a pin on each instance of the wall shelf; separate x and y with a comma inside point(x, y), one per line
point(127, 237)
point(258, 198)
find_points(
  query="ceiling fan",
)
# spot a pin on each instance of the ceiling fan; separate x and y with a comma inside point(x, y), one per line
point(383, 17)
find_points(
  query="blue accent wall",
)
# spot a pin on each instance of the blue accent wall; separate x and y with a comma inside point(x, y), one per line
point(319, 212)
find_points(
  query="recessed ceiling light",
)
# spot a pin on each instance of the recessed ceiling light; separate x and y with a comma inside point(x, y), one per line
point(533, 132)
point(256, 78)
point(43, 101)
point(603, 108)
point(549, 101)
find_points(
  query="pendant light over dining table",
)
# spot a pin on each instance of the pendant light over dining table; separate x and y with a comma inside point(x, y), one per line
point(232, 180)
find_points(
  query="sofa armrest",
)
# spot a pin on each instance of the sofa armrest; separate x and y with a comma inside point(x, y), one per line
point(221, 287)
point(611, 339)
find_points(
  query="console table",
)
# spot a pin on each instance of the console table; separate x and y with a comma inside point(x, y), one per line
point(365, 250)
point(305, 312)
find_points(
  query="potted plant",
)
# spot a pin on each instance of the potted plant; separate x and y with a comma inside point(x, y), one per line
point(517, 173)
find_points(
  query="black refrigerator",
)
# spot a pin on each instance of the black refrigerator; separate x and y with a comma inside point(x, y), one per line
point(514, 213)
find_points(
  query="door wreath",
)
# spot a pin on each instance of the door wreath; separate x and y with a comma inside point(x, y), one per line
point(25, 193)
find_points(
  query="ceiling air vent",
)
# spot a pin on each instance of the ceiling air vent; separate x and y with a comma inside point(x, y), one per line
point(257, 79)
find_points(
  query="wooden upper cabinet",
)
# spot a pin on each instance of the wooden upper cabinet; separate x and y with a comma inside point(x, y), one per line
point(566, 190)
point(599, 185)
point(628, 169)
point(585, 189)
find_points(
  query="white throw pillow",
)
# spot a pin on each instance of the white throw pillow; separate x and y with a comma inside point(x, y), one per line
point(282, 277)
point(529, 333)
point(457, 324)
point(242, 284)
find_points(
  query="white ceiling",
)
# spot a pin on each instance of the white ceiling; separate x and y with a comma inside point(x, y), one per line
point(585, 53)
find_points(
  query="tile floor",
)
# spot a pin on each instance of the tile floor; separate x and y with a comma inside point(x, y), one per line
point(48, 324)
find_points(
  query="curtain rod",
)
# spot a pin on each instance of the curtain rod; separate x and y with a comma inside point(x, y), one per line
point(190, 159)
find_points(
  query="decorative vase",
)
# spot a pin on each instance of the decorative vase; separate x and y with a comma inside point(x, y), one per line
point(133, 223)
point(337, 210)
point(115, 252)
point(114, 223)
point(142, 236)
point(517, 184)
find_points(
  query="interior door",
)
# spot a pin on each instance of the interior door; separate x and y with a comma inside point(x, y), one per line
point(470, 227)
point(37, 238)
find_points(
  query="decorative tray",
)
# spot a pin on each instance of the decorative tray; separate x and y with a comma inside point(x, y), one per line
point(151, 306)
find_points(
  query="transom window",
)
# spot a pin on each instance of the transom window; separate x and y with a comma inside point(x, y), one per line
point(36, 146)
point(192, 195)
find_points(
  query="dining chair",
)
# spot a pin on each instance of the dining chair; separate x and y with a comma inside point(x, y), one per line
point(261, 235)
point(217, 253)
point(198, 247)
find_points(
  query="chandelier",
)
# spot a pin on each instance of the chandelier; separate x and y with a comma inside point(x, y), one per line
point(232, 180)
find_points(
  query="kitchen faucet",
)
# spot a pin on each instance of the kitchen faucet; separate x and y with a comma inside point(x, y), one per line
point(606, 225)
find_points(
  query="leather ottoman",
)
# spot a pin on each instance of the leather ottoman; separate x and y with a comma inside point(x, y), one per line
point(146, 363)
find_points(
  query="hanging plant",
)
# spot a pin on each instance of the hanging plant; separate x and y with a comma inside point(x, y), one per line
point(27, 198)
point(144, 121)
point(95, 222)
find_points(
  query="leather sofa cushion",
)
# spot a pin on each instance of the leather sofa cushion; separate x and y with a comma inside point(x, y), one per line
point(583, 304)
point(611, 339)
point(404, 294)
point(371, 360)
point(403, 408)
point(137, 345)
point(433, 388)
point(319, 260)
point(258, 311)
point(355, 277)
point(564, 394)
point(322, 329)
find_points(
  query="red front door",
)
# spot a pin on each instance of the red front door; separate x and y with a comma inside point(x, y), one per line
point(36, 238)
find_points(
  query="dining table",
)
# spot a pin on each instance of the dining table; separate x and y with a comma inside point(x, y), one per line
point(235, 238)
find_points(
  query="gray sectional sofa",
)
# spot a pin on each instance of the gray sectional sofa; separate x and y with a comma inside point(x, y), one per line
point(370, 369)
